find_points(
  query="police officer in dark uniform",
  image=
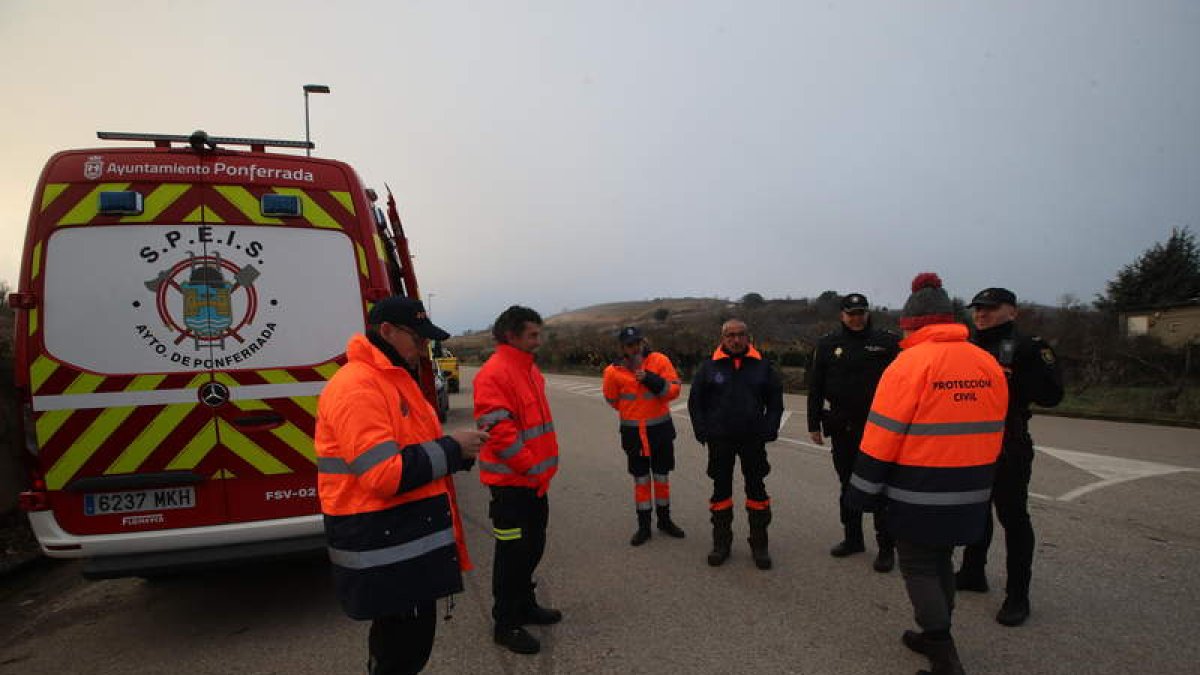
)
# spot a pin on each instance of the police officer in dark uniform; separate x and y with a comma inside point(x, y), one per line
point(1033, 377)
point(847, 365)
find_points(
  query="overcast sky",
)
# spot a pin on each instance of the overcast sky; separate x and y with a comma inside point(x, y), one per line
point(560, 154)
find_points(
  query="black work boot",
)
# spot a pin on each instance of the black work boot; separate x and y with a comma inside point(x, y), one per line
point(516, 639)
point(643, 532)
point(722, 522)
point(885, 561)
point(943, 658)
point(915, 641)
point(666, 524)
point(852, 541)
point(1015, 610)
point(971, 580)
point(759, 519)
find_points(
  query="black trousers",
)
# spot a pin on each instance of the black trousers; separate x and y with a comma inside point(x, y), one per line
point(1010, 497)
point(519, 519)
point(661, 459)
point(723, 453)
point(844, 444)
point(929, 579)
point(401, 644)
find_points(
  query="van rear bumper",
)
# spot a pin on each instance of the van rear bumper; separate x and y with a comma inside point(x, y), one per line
point(134, 553)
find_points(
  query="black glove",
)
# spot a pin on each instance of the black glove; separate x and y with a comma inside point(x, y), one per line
point(654, 382)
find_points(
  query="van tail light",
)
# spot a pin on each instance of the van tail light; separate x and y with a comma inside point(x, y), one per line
point(36, 498)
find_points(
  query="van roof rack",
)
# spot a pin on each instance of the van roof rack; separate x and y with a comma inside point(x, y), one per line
point(200, 140)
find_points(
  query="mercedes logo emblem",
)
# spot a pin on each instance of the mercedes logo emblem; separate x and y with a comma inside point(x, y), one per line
point(213, 394)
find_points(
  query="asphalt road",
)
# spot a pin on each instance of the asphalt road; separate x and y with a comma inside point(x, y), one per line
point(1116, 587)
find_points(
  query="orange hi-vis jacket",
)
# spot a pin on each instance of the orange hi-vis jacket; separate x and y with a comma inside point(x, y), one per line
point(383, 478)
point(643, 405)
point(932, 438)
point(510, 403)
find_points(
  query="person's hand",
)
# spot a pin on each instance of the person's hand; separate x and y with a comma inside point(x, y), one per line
point(816, 437)
point(470, 441)
point(640, 375)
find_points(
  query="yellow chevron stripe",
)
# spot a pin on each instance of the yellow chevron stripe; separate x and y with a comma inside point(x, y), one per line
point(163, 196)
point(33, 321)
point(145, 382)
point(309, 403)
point(250, 451)
point(344, 198)
point(380, 251)
point(276, 376)
point(196, 449)
point(297, 440)
point(86, 445)
point(48, 423)
point(151, 438)
point(53, 190)
point(201, 215)
point(362, 259)
point(41, 370)
point(327, 369)
point(85, 383)
point(89, 206)
point(36, 263)
point(223, 474)
point(247, 203)
point(312, 211)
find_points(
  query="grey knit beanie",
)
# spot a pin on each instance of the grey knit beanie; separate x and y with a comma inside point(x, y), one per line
point(928, 303)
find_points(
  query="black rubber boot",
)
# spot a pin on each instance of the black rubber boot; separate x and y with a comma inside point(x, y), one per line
point(517, 640)
point(722, 522)
point(943, 658)
point(759, 519)
point(666, 524)
point(852, 541)
point(643, 532)
point(885, 561)
point(1014, 611)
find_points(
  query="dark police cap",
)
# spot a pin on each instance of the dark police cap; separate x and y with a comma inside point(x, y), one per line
point(401, 311)
point(993, 297)
point(854, 301)
point(629, 335)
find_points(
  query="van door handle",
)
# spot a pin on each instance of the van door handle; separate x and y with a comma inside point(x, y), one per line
point(133, 481)
point(259, 421)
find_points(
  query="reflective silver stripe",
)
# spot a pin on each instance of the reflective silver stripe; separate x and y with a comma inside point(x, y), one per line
point(939, 498)
point(361, 464)
point(649, 396)
point(936, 428)
point(542, 467)
point(494, 468)
point(511, 450)
point(865, 485)
point(643, 506)
point(661, 478)
point(484, 421)
point(610, 400)
point(662, 501)
point(641, 480)
point(650, 422)
point(534, 432)
point(437, 458)
point(628, 397)
point(360, 560)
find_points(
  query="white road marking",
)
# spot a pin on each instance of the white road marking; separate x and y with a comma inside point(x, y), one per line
point(784, 418)
point(1110, 470)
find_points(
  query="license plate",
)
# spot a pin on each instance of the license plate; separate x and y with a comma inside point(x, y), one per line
point(136, 501)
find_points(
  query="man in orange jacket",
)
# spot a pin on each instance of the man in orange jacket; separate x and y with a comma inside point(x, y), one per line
point(928, 456)
point(640, 386)
point(517, 463)
point(383, 477)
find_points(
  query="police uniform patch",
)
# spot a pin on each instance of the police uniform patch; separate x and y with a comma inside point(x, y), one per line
point(837, 353)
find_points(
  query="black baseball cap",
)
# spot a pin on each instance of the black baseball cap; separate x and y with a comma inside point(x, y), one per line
point(993, 297)
point(855, 301)
point(401, 311)
point(629, 335)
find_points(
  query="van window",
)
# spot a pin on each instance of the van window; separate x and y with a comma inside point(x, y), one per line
point(153, 298)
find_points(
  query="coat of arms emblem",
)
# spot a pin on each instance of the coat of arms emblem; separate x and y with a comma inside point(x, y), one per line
point(93, 168)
